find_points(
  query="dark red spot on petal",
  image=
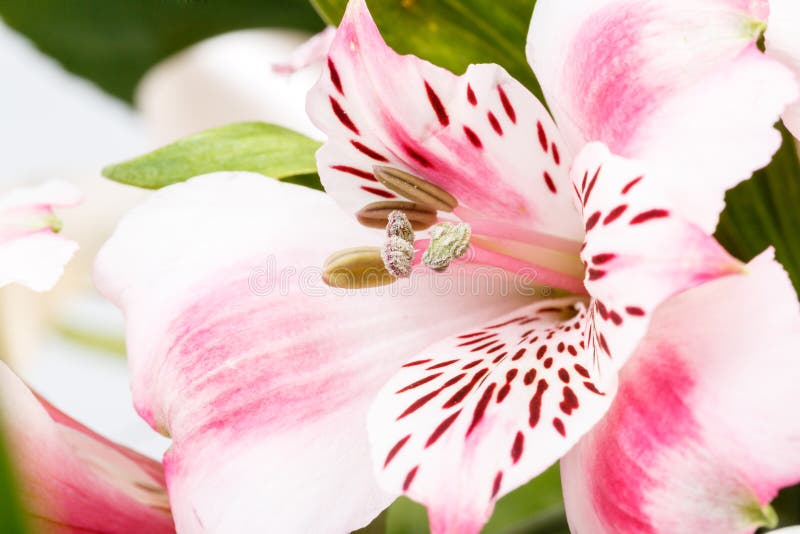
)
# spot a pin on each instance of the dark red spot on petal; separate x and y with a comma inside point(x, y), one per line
point(571, 350)
point(548, 363)
point(417, 362)
point(560, 347)
point(464, 391)
point(615, 317)
point(570, 401)
point(437, 105)
point(509, 109)
point(581, 370)
point(519, 354)
point(542, 135)
point(441, 364)
point(498, 479)
point(470, 365)
point(630, 185)
point(600, 259)
point(395, 450)
point(480, 407)
point(540, 352)
point(549, 181)
point(367, 151)
point(634, 310)
point(556, 155)
point(471, 96)
point(596, 274)
point(443, 426)
point(495, 123)
point(535, 406)
point(649, 215)
point(337, 82)
point(473, 137)
point(591, 387)
point(592, 221)
point(379, 192)
point(416, 156)
point(614, 214)
point(558, 424)
point(355, 172)
point(410, 478)
point(591, 186)
point(517, 447)
point(419, 382)
point(563, 374)
point(529, 377)
point(343, 117)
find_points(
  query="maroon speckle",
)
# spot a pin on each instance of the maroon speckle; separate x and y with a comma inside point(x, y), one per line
point(395, 450)
point(600, 259)
point(477, 340)
point(558, 424)
point(473, 137)
point(470, 365)
point(410, 478)
point(581, 370)
point(489, 344)
point(634, 310)
point(480, 407)
point(496, 348)
point(571, 350)
point(591, 186)
point(464, 391)
point(416, 156)
point(549, 181)
point(630, 185)
point(355, 172)
point(601, 309)
point(441, 364)
point(419, 382)
point(495, 123)
point(591, 387)
point(507, 105)
point(343, 117)
point(560, 347)
point(529, 377)
point(498, 479)
point(443, 426)
point(472, 334)
point(503, 392)
point(379, 192)
point(563, 374)
point(556, 155)
point(615, 317)
point(535, 407)
point(419, 403)
point(592, 221)
point(548, 363)
point(614, 214)
point(604, 344)
point(596, 274)
point(367, 151)
point(649, 215)
point(570, 401)
point(471, 96)
point(517, 447)
point(506, 323)
point(519, 354)
point(417, 362)
point(542, 135)
point(583, 183)
point(337, 82)
point(437, 106)
point(540, 352)
point(499, 358)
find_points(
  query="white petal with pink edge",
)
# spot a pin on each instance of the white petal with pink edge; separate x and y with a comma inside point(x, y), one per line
point(782, 42)
point(676, 84)
point(473, 417)
point(31, 253)
point(261, 374)
point(639, 249)
point(73, 480)
point(482, 136)
point(702, 433)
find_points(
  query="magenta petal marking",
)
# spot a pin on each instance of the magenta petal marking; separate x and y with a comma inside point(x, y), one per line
point(438, 107)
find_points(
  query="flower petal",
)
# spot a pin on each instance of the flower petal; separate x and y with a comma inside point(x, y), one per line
point(471, 418)
point(674, 83)
point(783, 43)
point(702, 433)
point(31, 253)
point(73, 479)
point(639, 251)
point(482, 137)
point(261, 374)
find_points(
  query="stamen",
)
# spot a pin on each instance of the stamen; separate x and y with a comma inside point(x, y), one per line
point(414, 188)
point(356, 268)
point(397, 255)
point(398, 225)
point(376, 215)
point(448, 242)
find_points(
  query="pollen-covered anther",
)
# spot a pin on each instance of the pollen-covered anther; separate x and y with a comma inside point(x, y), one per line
point(398, 225)
point(448, 242)
point(376, 214)
point(397, 254)
point(356, 268)
point(414, 188)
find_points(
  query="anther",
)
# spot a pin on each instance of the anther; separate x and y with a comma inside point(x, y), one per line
point(414, 188)
point(397, 254)
point(398, 225)
point(448, 242)
point(376, 214)
point(356, 268)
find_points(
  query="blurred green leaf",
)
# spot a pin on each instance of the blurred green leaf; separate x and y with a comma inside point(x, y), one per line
point(248, 146)
point(11, 517)
point(453, 33)
point(764, 211)
point(113, 43)
point(535, 508)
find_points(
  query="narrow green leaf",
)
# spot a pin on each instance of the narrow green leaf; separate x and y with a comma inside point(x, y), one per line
point(113, 43)
point(763, 211)
point(11, 517)
point(453, 33)
point(248, 146)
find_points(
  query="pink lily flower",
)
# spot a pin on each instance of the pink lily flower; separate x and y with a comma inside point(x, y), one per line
point(276, 389)
point(73, 480)
point(31, 251)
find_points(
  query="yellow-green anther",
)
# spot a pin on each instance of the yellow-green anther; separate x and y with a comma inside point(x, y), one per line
point(448, 242)
point(356, 268)
point(415, 188)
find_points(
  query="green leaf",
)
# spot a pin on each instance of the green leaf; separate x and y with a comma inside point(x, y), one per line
point(248, 146)
point(535, 508)
point(11, 517)
point(453, 33)
point(113, 43)
point(763, 211)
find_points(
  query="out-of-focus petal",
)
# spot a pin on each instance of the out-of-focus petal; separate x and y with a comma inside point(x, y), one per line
point(782, 41)
point(702, 433)
point(261, 374)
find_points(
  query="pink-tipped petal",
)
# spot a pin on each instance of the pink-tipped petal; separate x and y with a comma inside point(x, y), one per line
point(469, 419)
point(703, 431)
point(674, 83)
point(639, 250)
point(73, 480)
point(481, 136)
point(260, 373)
point(782, 42)
point(31, 252)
